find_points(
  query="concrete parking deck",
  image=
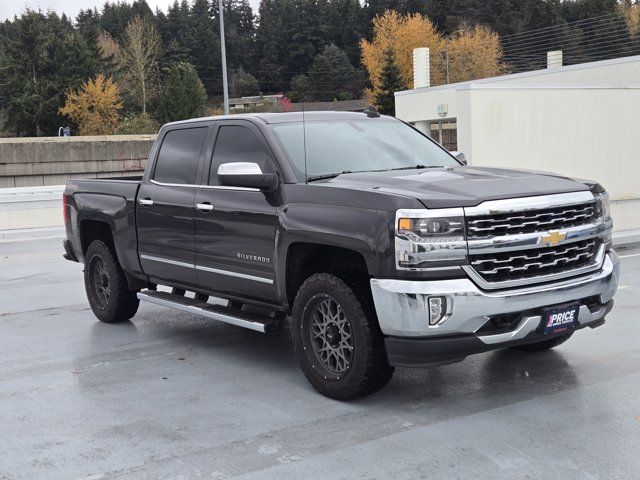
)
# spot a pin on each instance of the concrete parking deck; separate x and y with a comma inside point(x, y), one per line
point(174, 396)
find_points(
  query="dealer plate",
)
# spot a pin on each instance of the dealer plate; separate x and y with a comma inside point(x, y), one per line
point(560, 319)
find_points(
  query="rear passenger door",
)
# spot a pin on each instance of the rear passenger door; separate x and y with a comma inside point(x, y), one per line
point(235, 232)
point(165, 206)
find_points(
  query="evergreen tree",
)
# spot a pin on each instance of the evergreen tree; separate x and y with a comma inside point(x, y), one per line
point(330, 77)
point(391, 82)
point(242, 84)
point(43, 56)
point(184, 93)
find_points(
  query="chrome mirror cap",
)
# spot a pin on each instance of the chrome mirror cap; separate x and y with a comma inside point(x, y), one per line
point(247, 175)
point(239, 168)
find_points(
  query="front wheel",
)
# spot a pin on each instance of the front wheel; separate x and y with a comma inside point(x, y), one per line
point(544, 345)
point(337, 338)
point(106, 286)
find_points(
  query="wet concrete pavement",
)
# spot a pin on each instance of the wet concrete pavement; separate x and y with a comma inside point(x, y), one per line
point(174, 396)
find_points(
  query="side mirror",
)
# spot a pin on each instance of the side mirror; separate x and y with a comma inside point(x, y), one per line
point(459, 156)
point(246, 175)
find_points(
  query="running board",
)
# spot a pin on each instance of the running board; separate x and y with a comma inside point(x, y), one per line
point(239, 318)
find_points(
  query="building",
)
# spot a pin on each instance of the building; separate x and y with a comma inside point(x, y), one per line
point(237, 105)
point(580, 120)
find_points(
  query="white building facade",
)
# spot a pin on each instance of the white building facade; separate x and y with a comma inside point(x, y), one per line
point(581, 121)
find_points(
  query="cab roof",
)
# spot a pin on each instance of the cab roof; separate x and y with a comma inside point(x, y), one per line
point(288, 117)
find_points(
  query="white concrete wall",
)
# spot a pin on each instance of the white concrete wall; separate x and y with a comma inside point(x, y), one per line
point(578, 132)
point(421, 104)
point(31, 207)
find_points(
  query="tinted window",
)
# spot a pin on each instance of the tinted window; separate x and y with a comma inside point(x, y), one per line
point(357, 145)
point(178, 156)
point(237, 144)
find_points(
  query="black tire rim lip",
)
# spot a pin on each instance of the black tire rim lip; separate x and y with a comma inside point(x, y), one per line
point(327, 336)
point(99, 281)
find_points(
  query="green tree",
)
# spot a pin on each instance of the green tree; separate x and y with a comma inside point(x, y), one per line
point(42, 57)
point(184, 93)
point(390, 82)
point(330, 77)
point(242, 84)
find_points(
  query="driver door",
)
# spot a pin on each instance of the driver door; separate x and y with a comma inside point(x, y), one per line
point(235, 228)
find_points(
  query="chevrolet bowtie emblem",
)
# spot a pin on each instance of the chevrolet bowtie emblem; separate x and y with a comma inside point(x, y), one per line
point(554, 237)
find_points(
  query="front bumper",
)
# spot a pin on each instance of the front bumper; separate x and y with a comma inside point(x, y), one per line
point(402, 309)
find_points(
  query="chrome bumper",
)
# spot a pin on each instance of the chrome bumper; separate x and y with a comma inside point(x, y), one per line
point(402, 305)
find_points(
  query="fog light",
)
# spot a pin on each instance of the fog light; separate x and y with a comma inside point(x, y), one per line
point(437, 309)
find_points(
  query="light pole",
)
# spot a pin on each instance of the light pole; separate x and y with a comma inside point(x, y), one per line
point(223, 51)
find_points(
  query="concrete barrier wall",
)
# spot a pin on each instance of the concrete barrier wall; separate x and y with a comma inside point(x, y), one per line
point(26, 162)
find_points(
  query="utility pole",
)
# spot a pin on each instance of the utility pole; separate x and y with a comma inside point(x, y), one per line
point(223, 50)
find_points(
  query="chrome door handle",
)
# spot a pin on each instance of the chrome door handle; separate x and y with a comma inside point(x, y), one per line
point(145, 201)
point(204, 207)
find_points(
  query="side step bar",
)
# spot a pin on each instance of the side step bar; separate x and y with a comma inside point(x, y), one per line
point(239, 318)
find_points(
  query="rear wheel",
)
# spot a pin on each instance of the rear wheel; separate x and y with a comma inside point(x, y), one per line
point(106, 286)
point(544, 345)
point(337, 338)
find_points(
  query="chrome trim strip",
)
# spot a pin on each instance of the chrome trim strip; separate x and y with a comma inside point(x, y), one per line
point(258, 327)
point(482, 283)
point(234, 274)
point(208, 187)
point(206, 269)
point(520, 204)
point(144, 256)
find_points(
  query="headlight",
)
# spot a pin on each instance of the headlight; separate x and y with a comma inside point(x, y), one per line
point(603, 206)
point(430, 238)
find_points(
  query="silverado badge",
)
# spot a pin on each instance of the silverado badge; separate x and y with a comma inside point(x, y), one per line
point(554, 237)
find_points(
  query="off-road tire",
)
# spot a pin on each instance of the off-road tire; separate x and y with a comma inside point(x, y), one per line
point(369, 370)
point(101, 264)
point(544, 345)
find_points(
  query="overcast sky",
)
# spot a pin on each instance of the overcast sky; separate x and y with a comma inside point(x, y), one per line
point(9, 8)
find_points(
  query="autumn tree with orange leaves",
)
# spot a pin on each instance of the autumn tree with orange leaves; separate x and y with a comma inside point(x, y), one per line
point(94, 107)
point(470, 53)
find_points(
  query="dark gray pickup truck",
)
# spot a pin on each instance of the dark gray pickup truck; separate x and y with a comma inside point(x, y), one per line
point(381, 248)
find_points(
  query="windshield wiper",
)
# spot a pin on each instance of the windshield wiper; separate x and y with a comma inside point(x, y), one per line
point(327, 176)
point(419, 166)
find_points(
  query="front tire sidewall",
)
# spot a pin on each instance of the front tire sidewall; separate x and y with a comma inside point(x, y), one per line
point(368, 370)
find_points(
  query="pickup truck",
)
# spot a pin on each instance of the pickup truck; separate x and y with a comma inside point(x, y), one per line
point(375, 246)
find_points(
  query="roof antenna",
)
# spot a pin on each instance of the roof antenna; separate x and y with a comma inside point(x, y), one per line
point(304, 144)
point(371, 112)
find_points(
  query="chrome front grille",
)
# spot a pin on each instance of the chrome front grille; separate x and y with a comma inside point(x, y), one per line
point(499, 224)
point(526, 264)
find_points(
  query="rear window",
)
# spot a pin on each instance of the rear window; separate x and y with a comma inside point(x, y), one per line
point(178, 157)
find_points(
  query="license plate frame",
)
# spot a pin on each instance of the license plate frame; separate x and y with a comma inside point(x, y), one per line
point(559, 319)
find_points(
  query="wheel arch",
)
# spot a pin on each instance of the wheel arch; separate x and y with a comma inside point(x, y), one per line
point(303, 259)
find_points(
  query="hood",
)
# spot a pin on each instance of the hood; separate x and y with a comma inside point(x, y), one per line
point(459, 186)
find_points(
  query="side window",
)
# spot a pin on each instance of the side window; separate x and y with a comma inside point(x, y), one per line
point(178, 157)
point(237, 144)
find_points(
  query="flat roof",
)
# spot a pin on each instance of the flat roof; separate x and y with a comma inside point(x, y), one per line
point(533, 73)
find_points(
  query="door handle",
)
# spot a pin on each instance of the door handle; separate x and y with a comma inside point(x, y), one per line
point(145, 201)
point(204, 207)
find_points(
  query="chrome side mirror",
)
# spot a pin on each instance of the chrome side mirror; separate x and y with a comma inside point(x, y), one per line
point(246, 175)
point(459, 156)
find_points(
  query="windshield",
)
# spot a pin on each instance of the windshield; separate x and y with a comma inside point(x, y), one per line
point(336, 146)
